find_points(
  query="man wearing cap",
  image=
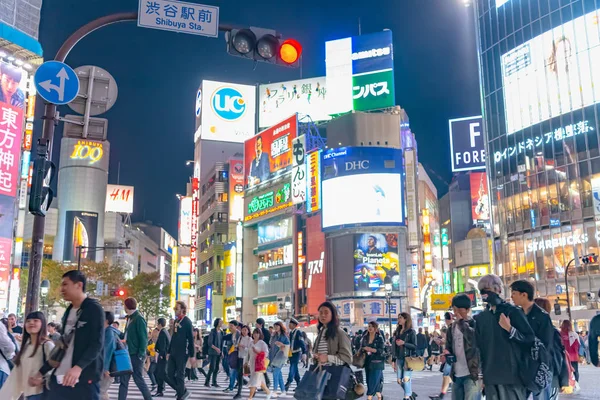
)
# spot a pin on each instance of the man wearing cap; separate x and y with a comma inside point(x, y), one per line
point(296, 349)
point(10, 78)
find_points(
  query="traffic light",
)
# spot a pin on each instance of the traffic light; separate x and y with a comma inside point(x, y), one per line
point(117, 293)
point(589, 259)
point(263, 45)
point(557, 308)
point(41, 194)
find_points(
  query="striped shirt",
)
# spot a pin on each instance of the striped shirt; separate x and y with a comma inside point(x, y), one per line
point(323, 348)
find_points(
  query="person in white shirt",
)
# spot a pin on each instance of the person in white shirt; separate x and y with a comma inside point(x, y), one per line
point(34, 353)
point(7, 352)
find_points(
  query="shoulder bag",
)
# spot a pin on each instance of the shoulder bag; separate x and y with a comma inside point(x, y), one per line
point(62, 344)
point(412, 362)
point(313, 384)
point(359, 358)
point(120, 364)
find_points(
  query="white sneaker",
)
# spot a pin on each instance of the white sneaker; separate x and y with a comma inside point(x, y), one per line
point(269, 396)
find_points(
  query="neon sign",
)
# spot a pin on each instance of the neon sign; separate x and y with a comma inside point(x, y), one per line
point(269, 202)
point(86, 150)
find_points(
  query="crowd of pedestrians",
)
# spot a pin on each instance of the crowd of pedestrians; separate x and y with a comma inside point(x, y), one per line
point(509, 351)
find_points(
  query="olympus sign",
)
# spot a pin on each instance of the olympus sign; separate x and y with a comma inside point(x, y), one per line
point(357, 165)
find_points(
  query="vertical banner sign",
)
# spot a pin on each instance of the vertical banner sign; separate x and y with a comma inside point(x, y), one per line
point(427, 245)
point(596, 197)
point(5, 249)
point(415, 276)
point(195, 216)
point(209, 294)
point(412, 215)
point(480, 208)
point(299, 170)
point(301, 260)
point(313, 198)
point(236, 190)
point(11, 132)
point(185, 221)
point(316, 282)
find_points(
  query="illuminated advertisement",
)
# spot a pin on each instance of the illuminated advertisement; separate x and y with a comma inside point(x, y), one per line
point(412, 206)
point(185, 222)
point(275, 230)
point(362, 186)
point(228, 111)
point(269, 202)
point(467, 146)
point(316, 277)
point(360, 72)
point(81, 229)
point(480, 202)
point(269, 154)
point(279, 100)
point(229, 256)
point(7, 216)
point(236, 190)
point(5, 267)
point(209, 295)
point(195, 216)
point(299, 170)
point(553, 73)
point(11, 133)
point(84, 153)
point(369, 309)
point(376, 261)
point(119, 199)
point(427, 260)
point(14, 86)
point(313, 197)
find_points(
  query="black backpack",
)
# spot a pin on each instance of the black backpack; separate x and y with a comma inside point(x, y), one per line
point(205, 346)
point(537, 371)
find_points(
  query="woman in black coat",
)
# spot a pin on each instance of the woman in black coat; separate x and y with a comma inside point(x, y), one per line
point(404, 345)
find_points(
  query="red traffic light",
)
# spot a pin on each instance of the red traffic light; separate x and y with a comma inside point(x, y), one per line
point(121, 293)
point(290, 51)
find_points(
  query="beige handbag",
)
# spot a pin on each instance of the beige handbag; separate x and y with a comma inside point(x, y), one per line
point(414, 363)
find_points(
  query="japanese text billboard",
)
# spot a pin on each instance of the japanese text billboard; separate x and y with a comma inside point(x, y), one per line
point(185, 222)
point(553, 73)
point(313, 196)
point(236, 190)
point(360, 73)
point(316, 276)
point(11, 133)
point(376, 261)
point(81, 230)
point(306, 97)
point(228, 111)
point(362, 186)
point(277, 199)
point(299, 170)
point(467, 145)
point(194, 237)
point(412, 205)
point(480, 201)
point(119, 199)
point(269, 154)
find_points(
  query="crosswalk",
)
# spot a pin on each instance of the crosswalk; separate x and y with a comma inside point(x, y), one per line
point(200, 392)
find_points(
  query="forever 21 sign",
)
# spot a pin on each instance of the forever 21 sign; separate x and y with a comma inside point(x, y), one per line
point(467, 144)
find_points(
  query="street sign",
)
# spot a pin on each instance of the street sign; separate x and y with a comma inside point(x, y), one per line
point(177, 16)
point(56, 82)
point(559, 289)
point(99, 95)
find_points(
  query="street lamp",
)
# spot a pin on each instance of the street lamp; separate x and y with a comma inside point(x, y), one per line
point(44, 289)
point(388, 296)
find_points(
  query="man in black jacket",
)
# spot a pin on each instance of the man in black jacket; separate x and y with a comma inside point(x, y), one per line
point(215, 350)
point(421, 343)
point(522, 293)
point(260, 324)
point(78, 376)
point(181, 349)
point(161, 348)
point(503, 336)
point(594, 339)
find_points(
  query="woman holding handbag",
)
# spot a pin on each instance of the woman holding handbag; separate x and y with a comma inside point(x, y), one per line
point(34, 352)
point(242, 345)
point(404, 347)
point(279, 355)
point(373, 346)
point(257, 359)
point(198, 349)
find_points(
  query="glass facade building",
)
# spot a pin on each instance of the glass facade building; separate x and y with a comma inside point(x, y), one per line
point(540, 79)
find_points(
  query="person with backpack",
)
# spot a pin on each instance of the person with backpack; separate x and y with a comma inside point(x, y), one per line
point(504, 338)
point(34, 353)
point(111, 336)
point(522, 292)
point(7, 352)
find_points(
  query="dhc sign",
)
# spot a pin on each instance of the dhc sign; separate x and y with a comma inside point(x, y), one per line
point(357, 165)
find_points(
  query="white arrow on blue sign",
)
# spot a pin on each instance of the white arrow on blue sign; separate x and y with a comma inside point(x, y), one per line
point(559, 289)
point(56, 82)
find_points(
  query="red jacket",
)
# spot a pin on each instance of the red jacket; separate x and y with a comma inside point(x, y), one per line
point(571, 349)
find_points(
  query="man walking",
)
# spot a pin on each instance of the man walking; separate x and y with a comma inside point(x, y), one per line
point(181, 350)
point(421, 343)
point(161, 348)
point(296, 346)
point(111, 336)
point(503, 337)
point(215, 345)
point(522, 293)
point(260, 324)
point(229, 340)
point(79, 373)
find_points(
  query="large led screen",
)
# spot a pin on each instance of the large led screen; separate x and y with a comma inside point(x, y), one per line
point(81, 230)
point(362, 199)
point(553, 73)
point(376, 261)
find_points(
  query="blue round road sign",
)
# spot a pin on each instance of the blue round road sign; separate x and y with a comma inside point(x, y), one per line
point(56, 82)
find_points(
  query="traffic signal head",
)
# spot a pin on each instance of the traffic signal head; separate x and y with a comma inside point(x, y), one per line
point(117, 293)
point(121, 293)
point(41, 194)
point(263, 45)
point(589, 259)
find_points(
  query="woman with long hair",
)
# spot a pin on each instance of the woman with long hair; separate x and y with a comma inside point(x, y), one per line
point(278, 355)
point(258, 350)
point(404, 345)
point(35, 350)
point(571, 342)
point(198, 348)
point(243, 344)
point(373, 346)
point(332, 345)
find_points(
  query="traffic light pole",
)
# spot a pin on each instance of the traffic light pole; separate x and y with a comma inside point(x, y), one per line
point(80, 249)
point(50, 120)
point(567, 288)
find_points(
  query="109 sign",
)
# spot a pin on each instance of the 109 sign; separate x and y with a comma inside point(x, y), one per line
point(92, 152)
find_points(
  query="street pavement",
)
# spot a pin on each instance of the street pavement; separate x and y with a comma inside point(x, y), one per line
point(425, 384)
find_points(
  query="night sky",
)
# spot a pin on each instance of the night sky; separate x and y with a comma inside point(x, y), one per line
point(151, 126)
